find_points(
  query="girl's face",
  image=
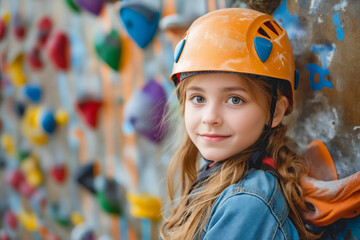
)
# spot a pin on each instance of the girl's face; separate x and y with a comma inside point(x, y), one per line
point(221, 117)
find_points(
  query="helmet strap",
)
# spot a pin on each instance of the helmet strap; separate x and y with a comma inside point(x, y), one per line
point(204, 175)
point(259, 155)
point(273, 104)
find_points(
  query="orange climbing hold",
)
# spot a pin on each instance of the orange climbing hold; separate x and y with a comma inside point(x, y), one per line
point(330, 199)
point(320, 162)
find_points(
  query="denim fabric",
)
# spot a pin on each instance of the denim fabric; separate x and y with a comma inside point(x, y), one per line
point(253, 208)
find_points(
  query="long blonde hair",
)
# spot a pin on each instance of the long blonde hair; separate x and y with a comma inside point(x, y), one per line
point(187, 218)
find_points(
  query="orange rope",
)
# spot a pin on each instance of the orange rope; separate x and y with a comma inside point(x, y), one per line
point(211, 5)
point(130, 64)
point(108, 118)
point(169, 8)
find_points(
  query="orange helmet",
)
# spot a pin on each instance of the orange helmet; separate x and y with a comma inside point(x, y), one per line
point(239, 41)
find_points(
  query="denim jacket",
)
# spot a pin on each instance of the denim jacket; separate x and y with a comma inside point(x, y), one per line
point(253, 208)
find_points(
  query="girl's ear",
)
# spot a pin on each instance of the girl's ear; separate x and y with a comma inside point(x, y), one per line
point(281, 106)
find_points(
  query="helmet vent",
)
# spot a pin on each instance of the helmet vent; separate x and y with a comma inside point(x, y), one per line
point(271, 27)
point(262, 32)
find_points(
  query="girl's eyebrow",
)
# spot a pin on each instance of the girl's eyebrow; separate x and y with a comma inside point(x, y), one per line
point(195, 88)
point(227, 89)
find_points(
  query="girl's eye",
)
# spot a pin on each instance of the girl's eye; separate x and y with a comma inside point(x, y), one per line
point(235, 100)
point(198, 99)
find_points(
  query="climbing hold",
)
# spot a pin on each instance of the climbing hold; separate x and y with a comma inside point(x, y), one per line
point(31, 126)
point(76, 218)
point(59, 172)
point(15, 71)
point(108, 47)
point(320, 162)
point(4, 235)
point(86, 174)
point(140, 22)
point(19, 108)
point(62, 117)
point(337, 23)
point(145, 206)
point(28, 220)
point(34, 58)
point(58, 48)
point(88, 109)
point(19, 27)
point(22, 155)
point(14, 177)
point(32, 92)
point(108, 195)
point(11, 219)
point(315, 69)
point(72, 5)
point(34, 177)
point(3, 28)
point(44, 26)
point(8, 144)
point(145, 111)
point(6, 17)
point(92, 6)
point(47, 121)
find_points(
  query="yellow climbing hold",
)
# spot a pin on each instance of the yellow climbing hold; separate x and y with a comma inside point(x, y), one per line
point(6, 17)
point(76, 218)
point(34, 177)
point(61, 117)
point(15, 71)
point(29, 221)
point(145, 206)
point(31, 128)
point(7, 143)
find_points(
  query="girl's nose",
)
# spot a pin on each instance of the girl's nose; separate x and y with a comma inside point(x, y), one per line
point(212, 115)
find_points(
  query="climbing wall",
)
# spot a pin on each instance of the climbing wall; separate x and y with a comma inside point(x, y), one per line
point(84, 85)
point(324, 38)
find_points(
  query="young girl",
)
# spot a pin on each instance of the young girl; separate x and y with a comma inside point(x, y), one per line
point(235, 77)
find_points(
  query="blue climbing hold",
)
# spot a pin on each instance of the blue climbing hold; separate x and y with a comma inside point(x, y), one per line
point(47, 121)
point(321, 72)
point(140, 22)
point(263, 48)
point(178, 49)
point(337, 23)
point(32, 92)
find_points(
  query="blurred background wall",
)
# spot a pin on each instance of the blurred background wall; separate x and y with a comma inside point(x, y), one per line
point(83, 90)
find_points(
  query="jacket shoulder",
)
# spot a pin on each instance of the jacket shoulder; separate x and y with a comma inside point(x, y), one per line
point(255, 206)
point(262, 185)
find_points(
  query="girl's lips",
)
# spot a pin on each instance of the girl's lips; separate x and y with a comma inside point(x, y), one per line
point(213, 137)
